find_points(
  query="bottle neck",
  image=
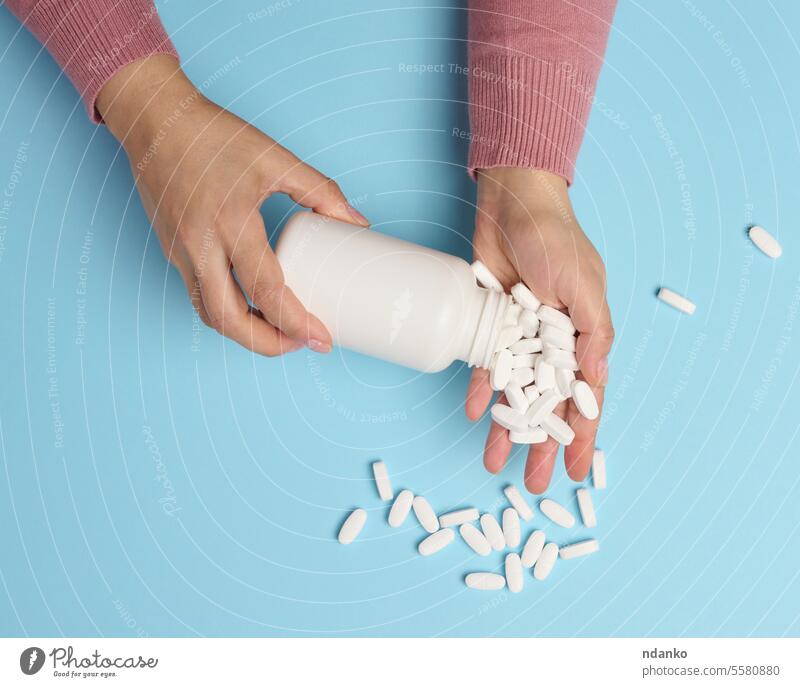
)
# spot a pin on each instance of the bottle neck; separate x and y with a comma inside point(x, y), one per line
point(486, 323)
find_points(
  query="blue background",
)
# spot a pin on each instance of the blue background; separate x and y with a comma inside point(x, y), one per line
point(157, 480)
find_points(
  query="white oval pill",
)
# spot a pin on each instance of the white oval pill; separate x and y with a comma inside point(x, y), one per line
point(558, 319)
point(531, 393)
point(511, 528)
point(381, 475)
point(532, 549)
point(546, 561)
point(677, 301)
point(525, 297)
point(501, 372)
point(557, 513)
point(582, 548)
point(584, 399)
point(516, 398)
point(485, 277)
point(545, 375)
point(523, 360)
point(513, 572)
point(475, 539)
point(518, 502)
point(560, 359)
point(534, 435)
point(599, 469)
point(557, 337)
point(522, 376)
point(507, 417)
point(542, 407)
point(458, 517)
point(512, 314)
point(400, 508)
point(425, 514)
point(529, 321)
point(436, 541)
point(491, 529)
point(765, 242)
point(586, 507)
point(352, 526)
point(508, 335)
point(564, 379)
point(524, 346)
point(558, 429)
point(485, 581)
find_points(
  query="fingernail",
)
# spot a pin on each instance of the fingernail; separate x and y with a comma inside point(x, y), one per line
point(319, 346)
point(357, 216)
point(602, 370)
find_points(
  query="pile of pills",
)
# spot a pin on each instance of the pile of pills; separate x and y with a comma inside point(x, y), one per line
point(483, 534)
point(534, 365)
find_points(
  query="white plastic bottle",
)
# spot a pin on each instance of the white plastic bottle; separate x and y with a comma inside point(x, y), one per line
point(390, 298)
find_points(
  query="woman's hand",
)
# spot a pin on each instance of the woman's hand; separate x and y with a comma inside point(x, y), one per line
point(525, 230)
point(202, 174)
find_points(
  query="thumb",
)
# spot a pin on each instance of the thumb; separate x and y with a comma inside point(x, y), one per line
point(310, 188)
point(592, 318)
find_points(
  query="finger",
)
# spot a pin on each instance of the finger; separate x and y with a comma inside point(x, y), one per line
point(479, 394)
point(498, 446)
point(228, 313)
point(312, 189)
point(541, 459)
point(184, 267)
point(592, 318)
point(578, 455)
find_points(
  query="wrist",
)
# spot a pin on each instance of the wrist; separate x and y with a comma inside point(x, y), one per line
point(535, 190)
point(137, 96)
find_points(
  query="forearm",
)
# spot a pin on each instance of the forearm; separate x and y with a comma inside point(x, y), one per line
point(91, 40)
point(533, 70)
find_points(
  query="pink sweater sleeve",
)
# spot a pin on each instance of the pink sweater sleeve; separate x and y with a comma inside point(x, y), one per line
point(533, 70)
point(92, 39)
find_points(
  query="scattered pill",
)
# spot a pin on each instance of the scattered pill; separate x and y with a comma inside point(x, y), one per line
point(586, 507)
point(508, 336)
point(436, 541)
point(425, 514)
point(557, 513)
point(352, 526)
point(542, 407)
point(558, 429)
point(524, 346)
point(518, 502)
point(522, 376)
point(525, 297)
point(599, 469)
point(512, 314)
point(584, 399)
point(564, 379)
point(458, 517)
point(501, 372)
point(485, 581)
point(401, 508)
point(507, 417)
point(511, 528)
point(514, 573)
point(765, 242)
point(531, 393)
point(485, 277)
point(381, 475)
point(676, 301)
point(532, 549)
point(523, 360)
point(516, 398)
point(545, 375)
point(529, 321)
point(546, 561)
point(475, 539)
point(491, 529)
point(557, 337)
point(560, 359)
point(583, 548)
point(534, 435)
point(558, 319)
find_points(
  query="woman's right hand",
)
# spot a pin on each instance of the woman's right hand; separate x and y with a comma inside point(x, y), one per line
point(202, 174)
